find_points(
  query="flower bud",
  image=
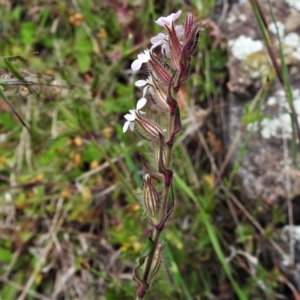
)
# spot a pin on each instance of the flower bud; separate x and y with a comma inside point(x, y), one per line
point(150, 197)
point(175, 47)
point(188, 25)
point(191, 43)
point(151, 129)
point(156, 261)
point(159, 70)
point(159, 94)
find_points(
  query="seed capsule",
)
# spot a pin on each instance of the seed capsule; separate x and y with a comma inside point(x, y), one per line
point(150, 197)
point(156, 261)
point(152, 130)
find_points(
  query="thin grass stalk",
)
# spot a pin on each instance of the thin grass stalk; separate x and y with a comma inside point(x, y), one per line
point(281, 71)
point(294, 121)
point(287, 84)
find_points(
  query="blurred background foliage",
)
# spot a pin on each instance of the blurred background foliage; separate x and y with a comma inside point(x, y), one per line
point(71, 226)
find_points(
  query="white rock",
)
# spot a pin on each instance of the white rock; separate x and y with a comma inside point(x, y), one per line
point(244, 46)
point(281, 28)
point(294, 3)
point(292, 39)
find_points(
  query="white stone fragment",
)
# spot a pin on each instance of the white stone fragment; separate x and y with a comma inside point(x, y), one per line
point(294, 229)
point(280, 125)
point(244, 46)
point(280, 26)
point(271, 101)
point(297, 107)
point(243, 18)
point(292, 39)
point(296, 54)
point(294, 3)
point(231, 19)
point(8, 197)
point(3, 137)
point(277, 127)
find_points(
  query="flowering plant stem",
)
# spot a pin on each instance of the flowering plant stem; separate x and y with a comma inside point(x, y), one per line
point(167, 71)
point(162, 214)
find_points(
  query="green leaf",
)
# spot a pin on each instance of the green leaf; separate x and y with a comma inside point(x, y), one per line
point(5, 255)
point(27, 33)
point(83, 61)
point(251, 115)
point(84, 46)
point(16, 13)
point(7, 121)
point(13, 69)
point(91, 153)
point(71, 120)
point(243, 233)
point(8, 292)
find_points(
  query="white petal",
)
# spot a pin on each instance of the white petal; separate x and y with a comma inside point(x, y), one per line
point(151, 91)
point(130, 117)
point(160, 21)
point(145, 90)
point(156, 44)
point(131, 126)
point(141, 83)
point(158, 38)
point(144, 57)
point(136, 65)
point(179, 30)
point(175, 16)
point(165, 49)
point(125, 126)
point(141, 103)
point(166, 21)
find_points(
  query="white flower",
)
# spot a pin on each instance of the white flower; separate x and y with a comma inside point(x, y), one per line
point(158, 38)
point(157, 91)
point(133, 114)
point(141, 82)
point(163, 39)
point(146, 83)
point(167, 21)
point(142, 58)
